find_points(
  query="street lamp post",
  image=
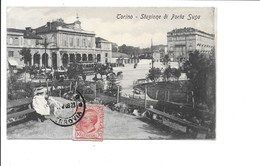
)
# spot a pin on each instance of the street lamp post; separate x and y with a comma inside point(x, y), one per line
point(45, 44)
point(45, 63)
point(152, 61)
point(45, 47)
point(152, 52)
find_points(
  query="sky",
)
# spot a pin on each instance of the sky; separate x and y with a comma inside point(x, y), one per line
point(106, 23)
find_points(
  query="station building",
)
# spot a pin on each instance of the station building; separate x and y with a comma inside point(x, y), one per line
point(57, 44)
point(183, 41)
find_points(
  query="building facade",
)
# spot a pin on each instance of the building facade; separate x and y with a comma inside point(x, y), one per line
point(58, 43)
point(18, 39)
point(181, 42)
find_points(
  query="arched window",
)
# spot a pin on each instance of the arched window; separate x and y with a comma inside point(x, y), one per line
point(90, 57)
point(78, 57)
point(84, 57)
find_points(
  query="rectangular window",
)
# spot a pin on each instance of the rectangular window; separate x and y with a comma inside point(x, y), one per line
point(10, 54)
point(83, 42)
point(78, 42)
point(65, 43)
point(29, 42)
point(106, 54)
point(71, 42)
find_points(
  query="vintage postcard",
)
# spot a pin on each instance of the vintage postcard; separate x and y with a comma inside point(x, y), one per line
point(101, 73)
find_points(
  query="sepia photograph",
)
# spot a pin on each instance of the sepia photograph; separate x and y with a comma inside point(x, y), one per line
point(111, 73)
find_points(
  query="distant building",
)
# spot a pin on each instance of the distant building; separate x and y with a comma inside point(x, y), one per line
point(66, 43)
point(156, 56)
point(183, 41)
point(120, 59)
point(104, 48)
point(157, 52)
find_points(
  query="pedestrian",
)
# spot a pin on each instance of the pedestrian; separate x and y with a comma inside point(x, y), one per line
point(44, 105)
point(40, 104)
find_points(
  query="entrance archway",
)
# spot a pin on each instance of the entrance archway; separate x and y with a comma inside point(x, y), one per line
point(78, 57)
point(90, 57)
point(84, 58)
point(45, 58)
point(65, 60)
point(54, 60)
point(72, 58)
point(36, 59)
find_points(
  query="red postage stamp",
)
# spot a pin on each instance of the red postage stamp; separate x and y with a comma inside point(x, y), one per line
point(91, 126)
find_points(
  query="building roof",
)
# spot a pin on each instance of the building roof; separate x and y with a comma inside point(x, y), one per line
point(119, 55)
point(59, 24)
point(15, 30)
point(26, 33)
point(188, 29)
point(100, 39)
point(51, 26)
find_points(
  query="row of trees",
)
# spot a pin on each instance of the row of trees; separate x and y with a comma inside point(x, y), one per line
point(130, 50)
point(156, 73)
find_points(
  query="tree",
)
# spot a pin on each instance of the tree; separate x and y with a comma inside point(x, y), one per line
point(72, 71)
point(176, 73)
point(102, 70)
point(154, 74)
point(200, 69)
point(167, 73)
point(166, 58)
point(130, 50)
point(26, 55)
point(171, 73)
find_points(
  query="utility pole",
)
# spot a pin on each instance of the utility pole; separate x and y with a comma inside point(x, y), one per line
point(117, 94)
point(45, 44)
point(45, 63)
point(45, 47)
point(145, 95)
point(152, 52)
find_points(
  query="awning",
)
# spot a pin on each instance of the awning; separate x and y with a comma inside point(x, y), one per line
point(12, 62)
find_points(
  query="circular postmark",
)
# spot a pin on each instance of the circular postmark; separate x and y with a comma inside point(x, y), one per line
point(70, 113)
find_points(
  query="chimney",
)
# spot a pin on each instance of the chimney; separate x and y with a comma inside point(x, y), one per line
point(49, 25)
